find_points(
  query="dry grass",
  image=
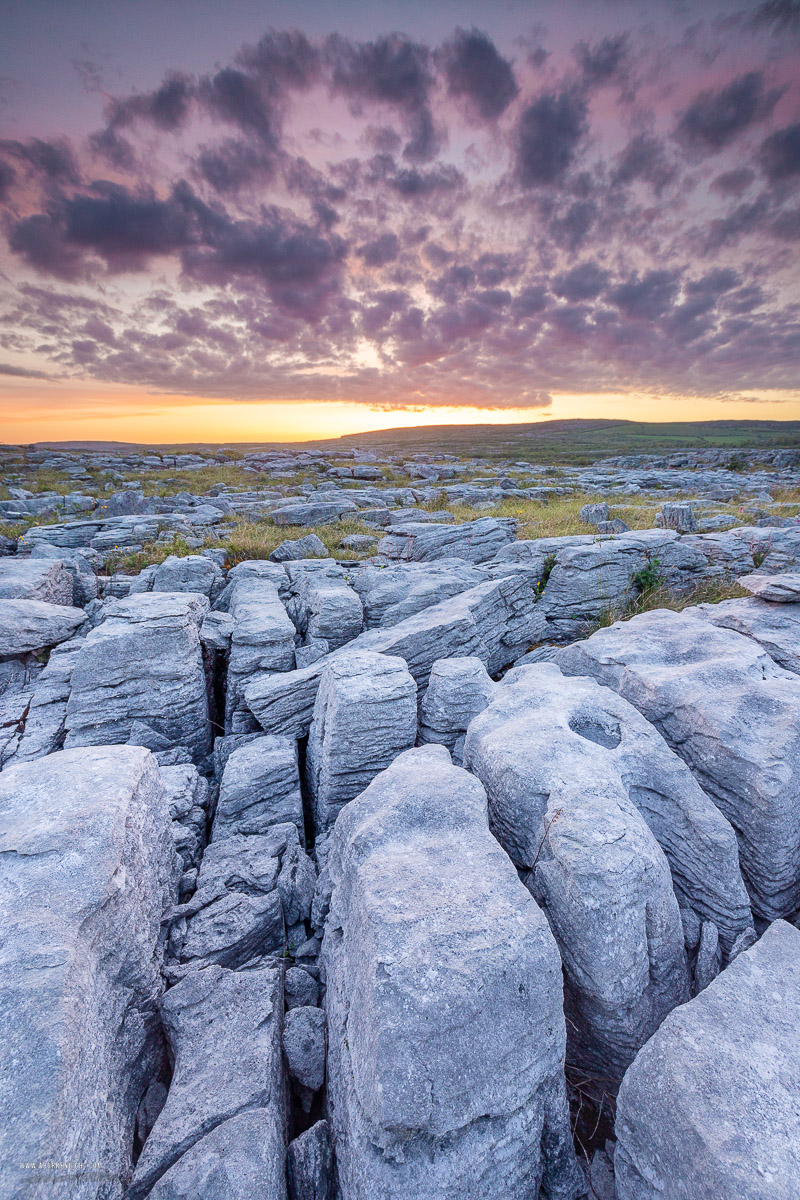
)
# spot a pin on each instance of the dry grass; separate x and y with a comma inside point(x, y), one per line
point(710, 591)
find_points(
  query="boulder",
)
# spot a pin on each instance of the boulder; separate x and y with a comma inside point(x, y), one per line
point(593, 514)
point(240, 1159)
point(543, 733)
point(732, 714)
point(310, 1165)
point(260, 787)
point(41, 727)
point(32, 625)
point(36, 579)
point(390, 594)
point(676, 516)
point(310, 546)
point(191, 573)
point(709, 1107)
point(89, 869)
point(459, 689)
point(143, 663)
point(445, 1029)
point(215, 1018)
point(476, 541)
point(365, 714)
point(324, 605)
point(304, 1047)
point(262, 640)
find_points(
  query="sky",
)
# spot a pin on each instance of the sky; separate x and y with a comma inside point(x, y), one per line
point(250, 221)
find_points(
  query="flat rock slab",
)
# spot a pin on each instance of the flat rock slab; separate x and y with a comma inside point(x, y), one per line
point(709, 1107)
point(88, 870)
point(475, 541)
point(31, 625)
point(445, 1029)
point(776, 627)
point(778, 589)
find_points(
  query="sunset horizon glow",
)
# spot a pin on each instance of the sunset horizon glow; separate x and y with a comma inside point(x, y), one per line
point(217, 225)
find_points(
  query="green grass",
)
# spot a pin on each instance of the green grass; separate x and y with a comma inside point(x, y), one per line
point(710, 591)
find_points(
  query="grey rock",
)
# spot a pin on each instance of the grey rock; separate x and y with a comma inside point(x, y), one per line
point(88, 870)
point(709, 957)
point(365, 714)
point(709, 1107)
point(593, 514)
point(359, 542)
point(217, 630)
point(326, 607)
point(476, 541)
point(548, 751)
point(143, 663)
point(123, 504)
point(192, 573)
point(458, 690)
point(31, 625)
point(315, 513)
point(310, 1164)
point(445, 1030)
point(260, 787)
point(309, 546)
point(262, 640)
point(304, 1046)
point(677, 516)
point(776, 627)
point(779, 589)
point(495, 622)
point(42, 727)
point(36, 579)
point(543, 732)
point(615, 526)
point(390, 594)
point(187, 795)
point(732, 714)
point(241, 1159)
point(215, 1018)
point(300, 989)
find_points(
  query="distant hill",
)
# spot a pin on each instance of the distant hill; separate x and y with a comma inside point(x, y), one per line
point(574, 441)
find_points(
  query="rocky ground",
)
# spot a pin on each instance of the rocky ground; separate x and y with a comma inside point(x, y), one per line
point(399, 829)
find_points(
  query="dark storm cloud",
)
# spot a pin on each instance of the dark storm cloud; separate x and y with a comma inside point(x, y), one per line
point(715, 118)
point(234, 164)
point(584, 282)
point(645, 158)
point(781, 16)
point(392, 70)
point(380, 251)
point(475, 71)
point(235, 97)
point(284, 60)
point(50, 161)
point(647, 297)
point(733, 183)
point(167, 107)
point(550, 130)
point(605, 61)
point(571, 228)
point(780, 153)
point(7, 177)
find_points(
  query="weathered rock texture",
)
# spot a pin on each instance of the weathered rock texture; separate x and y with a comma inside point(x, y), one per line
point(260, 787)
point(88, 870)
point(709, 1107)
point(446, 1036)
point(143, 663)
point(732, 714)
point(30, 625)
point(224, 1031)
point(365, 714)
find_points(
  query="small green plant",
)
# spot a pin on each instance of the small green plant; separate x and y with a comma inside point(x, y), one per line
point(758, 557)
point(547, 571)
point(649, 578)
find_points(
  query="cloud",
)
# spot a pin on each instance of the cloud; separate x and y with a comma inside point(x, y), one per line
point(549, 131)
point(382, 250)
point(780, 153)
point(584, 282)
point(604, 62)
point(646, 298)
point(780, 16)
point(734, 182)
point(645, 158)
point(22, 372)
point(476, 72)
point(167, 107)
point(284, 59)
point(715, 118)
point(392, 70)
point(234, 164)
